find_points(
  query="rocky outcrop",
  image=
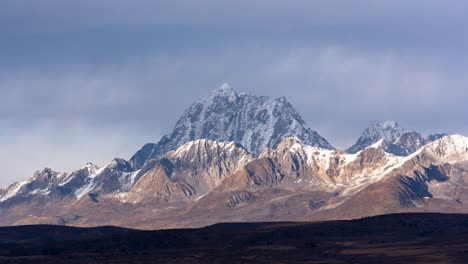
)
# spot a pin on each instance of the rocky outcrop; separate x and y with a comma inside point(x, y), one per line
point(191, 171)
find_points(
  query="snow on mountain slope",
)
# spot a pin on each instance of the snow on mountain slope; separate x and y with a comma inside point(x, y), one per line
point(293, 165)
point(189, 172)
point(118, 176)
point(256, 122)
point(396, 140)
point(449, 149)
point(339, 169)
point(77, 177)
point(434, 178)
point(389, 131)
point(11, 190)
point(43, 182)
point(407, 143)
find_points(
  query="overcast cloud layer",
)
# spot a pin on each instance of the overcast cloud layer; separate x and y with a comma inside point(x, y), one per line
point(91, 80)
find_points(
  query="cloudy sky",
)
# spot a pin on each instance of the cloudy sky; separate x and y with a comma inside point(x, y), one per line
point(90, 80)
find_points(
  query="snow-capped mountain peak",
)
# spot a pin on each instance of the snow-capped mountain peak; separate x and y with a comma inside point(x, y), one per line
point(389, 131)
point(42, 182)
point(377, 145)
point(448, 149)
point(223, 91)
point(396, 140)
point(256, 122)
point(91, 167)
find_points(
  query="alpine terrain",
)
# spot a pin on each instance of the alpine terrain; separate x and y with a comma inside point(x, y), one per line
point(237, 157)
point(395, 139)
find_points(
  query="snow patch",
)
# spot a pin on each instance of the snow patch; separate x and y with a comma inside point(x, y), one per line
point(14, 191)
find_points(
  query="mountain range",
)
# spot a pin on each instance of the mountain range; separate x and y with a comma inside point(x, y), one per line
point(395, 139)
point(237, 157)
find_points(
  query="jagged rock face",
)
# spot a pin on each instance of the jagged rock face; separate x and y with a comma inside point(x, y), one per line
point(295, 166)
point(367, 166)
point(406, 144)
point(119, 176)
point(450, 149)
point(435, 178)
point(209, 162)
point(157, 185)
point(78, 179)
point(189, 172)
point(259, 173)
point(369, 182)
point(256, 122)
point(412, 187)
point(390, 131)
point(43, 182)
point(395, 139)
point(303, 166)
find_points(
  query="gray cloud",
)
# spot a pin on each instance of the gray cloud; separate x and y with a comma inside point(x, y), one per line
point(90, 80)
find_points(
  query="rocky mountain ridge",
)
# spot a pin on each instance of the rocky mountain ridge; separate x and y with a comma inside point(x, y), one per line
point(240, 157)
point(396, 140)
point(224, 178)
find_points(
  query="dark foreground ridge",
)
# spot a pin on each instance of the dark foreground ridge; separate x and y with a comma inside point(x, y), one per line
point(396, 238)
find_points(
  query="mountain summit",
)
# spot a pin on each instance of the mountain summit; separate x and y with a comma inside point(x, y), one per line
point(256, 122)
point(389, 131)
point(395, 139)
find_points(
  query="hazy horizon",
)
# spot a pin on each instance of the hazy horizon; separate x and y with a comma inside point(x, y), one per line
point(90, 81)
